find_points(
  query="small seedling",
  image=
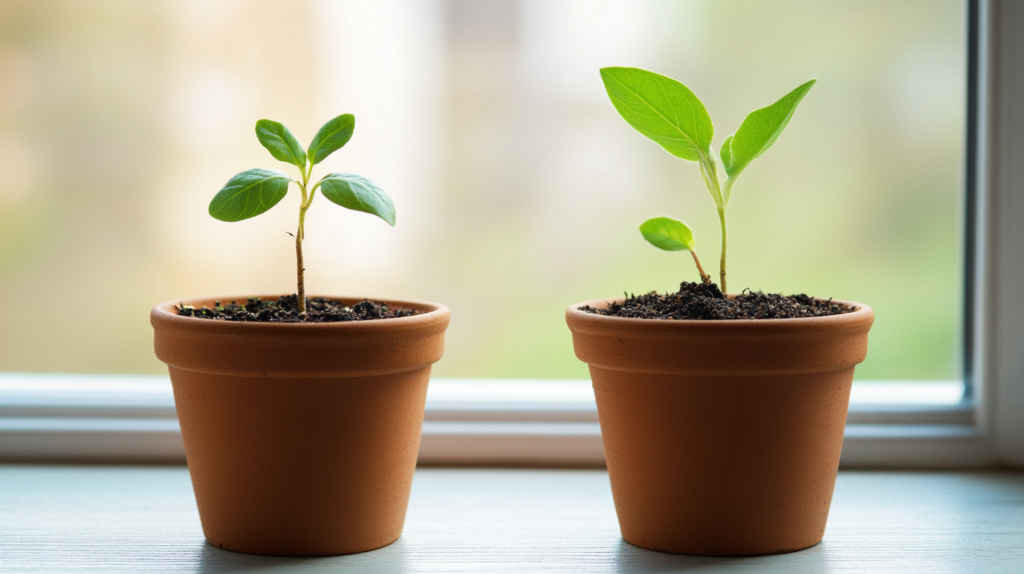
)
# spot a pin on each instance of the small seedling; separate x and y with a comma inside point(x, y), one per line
point(673, 116)
point(255, 191)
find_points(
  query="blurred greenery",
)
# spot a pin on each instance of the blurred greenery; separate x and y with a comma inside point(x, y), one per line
point(518, 185)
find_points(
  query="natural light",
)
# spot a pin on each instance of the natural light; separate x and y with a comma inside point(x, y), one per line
point(517, 186)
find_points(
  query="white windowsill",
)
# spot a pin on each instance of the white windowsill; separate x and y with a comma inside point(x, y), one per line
point(126, 418)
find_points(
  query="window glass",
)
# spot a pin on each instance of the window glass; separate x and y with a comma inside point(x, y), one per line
point(518, 187)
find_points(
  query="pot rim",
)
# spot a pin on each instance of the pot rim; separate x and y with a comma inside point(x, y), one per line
point(432, 313)
point(603, 322)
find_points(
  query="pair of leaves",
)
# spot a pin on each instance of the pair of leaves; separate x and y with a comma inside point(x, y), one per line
point(667, 234)
point(281, 144)
point(255, 191)
point(669, 113)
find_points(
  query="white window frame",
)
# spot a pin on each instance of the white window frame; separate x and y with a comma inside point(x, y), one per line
point(131, 419)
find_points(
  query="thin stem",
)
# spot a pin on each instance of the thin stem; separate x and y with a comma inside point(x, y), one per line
point(307, 199)
point(316, 186)
point(703, 276)
point(306, 172)
point(312, 193)
point(301, 295)
point(709, 170)
point(299, 236)
point(725, 244)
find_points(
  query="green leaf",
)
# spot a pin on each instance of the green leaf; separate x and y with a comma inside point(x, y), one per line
point(726, 153)
point(331, 137)
point(281, 143)
point(759, 131)
point(249, 194)
point(358, 193)
point(662, 109)
point(667, 233)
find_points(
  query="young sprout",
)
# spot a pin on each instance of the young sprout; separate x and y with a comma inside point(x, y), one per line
point(673, 116)
point(255, 191)
point(672, 235)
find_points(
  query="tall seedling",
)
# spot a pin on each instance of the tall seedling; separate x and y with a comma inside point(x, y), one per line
point(669, 113)
point(255, 191)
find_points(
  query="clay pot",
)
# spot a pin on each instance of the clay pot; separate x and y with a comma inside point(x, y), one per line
point(301, 439)
point(722, 437)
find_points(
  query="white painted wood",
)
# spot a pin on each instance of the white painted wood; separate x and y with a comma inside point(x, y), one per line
point(467, 422)
point(1003, 274)
point(511, 444)
point(143, 519)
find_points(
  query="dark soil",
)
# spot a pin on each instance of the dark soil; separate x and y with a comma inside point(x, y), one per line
point(696, 301)
point(284, 310)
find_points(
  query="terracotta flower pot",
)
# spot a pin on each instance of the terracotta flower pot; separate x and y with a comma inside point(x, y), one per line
point(722, 437)
point(301, 439)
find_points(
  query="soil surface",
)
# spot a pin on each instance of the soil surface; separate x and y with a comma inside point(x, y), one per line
point(284, 310)
point(696, 301)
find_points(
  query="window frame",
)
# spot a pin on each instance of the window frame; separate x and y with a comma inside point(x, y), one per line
point(999, 317)
point(984, 429)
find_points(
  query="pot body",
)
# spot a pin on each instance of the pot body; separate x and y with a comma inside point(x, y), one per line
point(301, 439)
point(722, 437)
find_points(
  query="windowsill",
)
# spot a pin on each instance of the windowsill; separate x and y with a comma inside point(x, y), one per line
point(135, 519)
point(123, 418)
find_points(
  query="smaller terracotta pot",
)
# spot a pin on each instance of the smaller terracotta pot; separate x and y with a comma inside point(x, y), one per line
point(301, 439)
point(722, 437)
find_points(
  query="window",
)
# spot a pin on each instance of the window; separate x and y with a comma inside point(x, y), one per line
point(517, 186)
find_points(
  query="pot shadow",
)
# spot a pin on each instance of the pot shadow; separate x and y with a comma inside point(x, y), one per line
point(212, 559)
point(631, 559)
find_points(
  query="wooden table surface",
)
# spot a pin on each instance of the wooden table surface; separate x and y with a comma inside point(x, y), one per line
point(143, 519)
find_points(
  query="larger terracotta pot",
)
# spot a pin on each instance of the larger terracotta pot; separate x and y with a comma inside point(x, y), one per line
point(722, 437)
point(301, 439)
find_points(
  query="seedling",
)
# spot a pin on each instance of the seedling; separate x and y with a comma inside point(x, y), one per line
point(255, 191)
point(673, 116)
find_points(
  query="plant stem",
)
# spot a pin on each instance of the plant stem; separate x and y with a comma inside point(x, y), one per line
point(703, 276)
point(725, 243)
point(301, 294)
point(709, 170)
point(300, 234)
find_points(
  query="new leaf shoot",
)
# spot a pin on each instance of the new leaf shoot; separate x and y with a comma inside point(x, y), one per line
point(669, 113)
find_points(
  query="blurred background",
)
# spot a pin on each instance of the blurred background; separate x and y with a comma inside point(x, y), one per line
point(518, 187)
